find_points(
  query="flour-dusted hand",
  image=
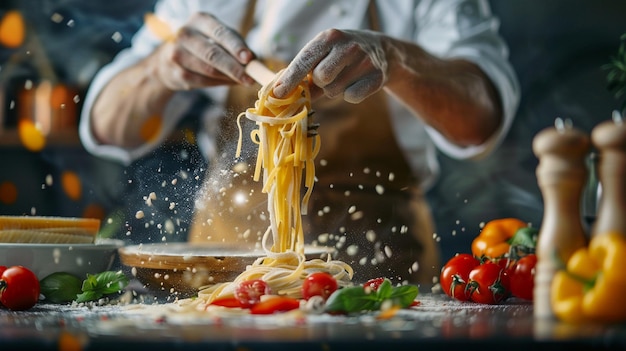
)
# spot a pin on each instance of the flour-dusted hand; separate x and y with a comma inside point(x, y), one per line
point(351, 63)
point(203, 52)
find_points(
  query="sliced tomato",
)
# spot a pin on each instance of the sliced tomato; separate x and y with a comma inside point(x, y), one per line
point(249, 292)
point(229, 301)
point(275, 305)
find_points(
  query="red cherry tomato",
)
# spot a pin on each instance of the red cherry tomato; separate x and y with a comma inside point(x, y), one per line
point(488, 283)
point(373, 284)
point(249, 292)
point(522, 276)
point(455, 275)
point(19, 288)
point(275, 305)
point(318, 284)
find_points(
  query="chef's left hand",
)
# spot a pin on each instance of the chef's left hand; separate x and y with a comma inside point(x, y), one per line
point(351, 63)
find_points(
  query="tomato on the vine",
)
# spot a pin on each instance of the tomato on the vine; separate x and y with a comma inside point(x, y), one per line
point(455, 275)
point(319, 284)
point(522, 277)
point(488, 283)
point(249, 292)
point(19, 288)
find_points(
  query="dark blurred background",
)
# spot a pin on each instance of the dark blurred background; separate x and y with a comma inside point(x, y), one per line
point(557, 48)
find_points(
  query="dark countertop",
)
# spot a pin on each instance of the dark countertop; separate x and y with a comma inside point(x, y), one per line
point(437, 323)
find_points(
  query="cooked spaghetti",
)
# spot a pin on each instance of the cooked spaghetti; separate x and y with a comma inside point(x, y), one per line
point(286, 154)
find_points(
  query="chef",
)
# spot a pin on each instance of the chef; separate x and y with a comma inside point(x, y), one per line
point(391, 82)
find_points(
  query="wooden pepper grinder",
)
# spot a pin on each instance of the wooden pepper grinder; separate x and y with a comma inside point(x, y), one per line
point(609, 138)
point(561, 175)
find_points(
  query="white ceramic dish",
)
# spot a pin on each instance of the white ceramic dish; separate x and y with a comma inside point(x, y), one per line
point(44, 259)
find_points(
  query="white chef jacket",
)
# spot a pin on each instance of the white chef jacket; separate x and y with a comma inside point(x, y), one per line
point(448, 28)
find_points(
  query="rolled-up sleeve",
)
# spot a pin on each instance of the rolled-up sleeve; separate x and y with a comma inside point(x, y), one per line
point(144, 42)
point(467, 29)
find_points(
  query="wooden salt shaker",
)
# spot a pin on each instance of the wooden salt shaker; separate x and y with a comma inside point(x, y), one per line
point(609, 138)
point(561, 175)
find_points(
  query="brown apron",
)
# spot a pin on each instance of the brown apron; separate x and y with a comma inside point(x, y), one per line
point(366, 202)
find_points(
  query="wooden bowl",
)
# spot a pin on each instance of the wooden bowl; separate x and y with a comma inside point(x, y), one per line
point(181, 269)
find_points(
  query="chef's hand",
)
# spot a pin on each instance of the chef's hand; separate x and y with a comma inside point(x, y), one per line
point(351, 63)
point(204, 52)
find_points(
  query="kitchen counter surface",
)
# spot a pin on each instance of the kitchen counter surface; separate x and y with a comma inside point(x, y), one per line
point(436, 323)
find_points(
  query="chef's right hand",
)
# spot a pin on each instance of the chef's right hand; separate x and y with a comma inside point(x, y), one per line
point(204, 52)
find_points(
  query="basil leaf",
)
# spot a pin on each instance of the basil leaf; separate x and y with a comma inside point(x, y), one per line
point(60, 287)
point(90, 283)
point(404, 295)
point(384, 290)
point(88, 296)
point(352, 299)
point(357, 299)
point(105, 283)
point(110, 282)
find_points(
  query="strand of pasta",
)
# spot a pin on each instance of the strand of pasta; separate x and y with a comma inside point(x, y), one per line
point(285, 153)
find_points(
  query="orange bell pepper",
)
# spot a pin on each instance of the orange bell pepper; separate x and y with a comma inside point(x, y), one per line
point(495, 238)
point(591, 287)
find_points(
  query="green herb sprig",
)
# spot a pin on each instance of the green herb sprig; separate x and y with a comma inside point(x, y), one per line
point(358, 299)
point(62, 287)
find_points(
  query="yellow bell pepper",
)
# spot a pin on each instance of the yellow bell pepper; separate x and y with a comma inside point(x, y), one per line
point(591, 287)
point(494, 240)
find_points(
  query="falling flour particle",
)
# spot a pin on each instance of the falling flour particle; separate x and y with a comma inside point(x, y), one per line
point(139, 214)
point(366, 170)
point(370, 235)
point(415, 266)
point(357, 215)
point(172, 205)
point(133, 271)
point(117, 37)
point(323, 238)
point(56, 17)
point(352, 250)
point(169, 226)
point(352, 209)
point(174, 181)
point(49, 180)
point(150, 198)
point(380, 189)
point(388, 251)
point(391, 177)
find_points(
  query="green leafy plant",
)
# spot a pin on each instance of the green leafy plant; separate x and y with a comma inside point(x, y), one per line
point(616, 76)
